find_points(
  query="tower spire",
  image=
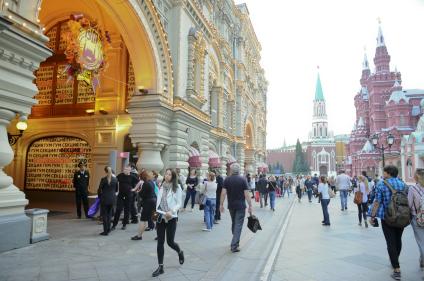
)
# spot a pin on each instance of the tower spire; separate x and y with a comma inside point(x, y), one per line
point(382, 57)
point(365, 64)
point(380, 37)
point(319, 95)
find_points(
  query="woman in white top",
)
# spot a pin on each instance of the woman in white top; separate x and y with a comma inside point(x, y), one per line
point(210, 204)
point(167, 205)
point(325, 199)
point(363, 187)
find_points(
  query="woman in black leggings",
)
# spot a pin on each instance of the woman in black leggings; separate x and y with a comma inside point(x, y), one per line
point(168, 204)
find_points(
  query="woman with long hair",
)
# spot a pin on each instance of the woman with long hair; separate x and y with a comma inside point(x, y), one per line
point(415, 195)
point(298, 189)
point(148, 197)
point(107, 194)
point(191, 182)
point(167, 205)
point(325, 199)
point(363, 187)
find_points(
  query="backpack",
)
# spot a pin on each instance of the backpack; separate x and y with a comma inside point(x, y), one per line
point(420, 210)
point(397, 213)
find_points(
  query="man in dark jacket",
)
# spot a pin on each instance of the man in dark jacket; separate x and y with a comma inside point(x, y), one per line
point(81, 182)
point(261, 186)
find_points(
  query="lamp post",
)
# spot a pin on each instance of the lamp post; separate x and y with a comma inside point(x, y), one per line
point(390, 140)
point(21, 126)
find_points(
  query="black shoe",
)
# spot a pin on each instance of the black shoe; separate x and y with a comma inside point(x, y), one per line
point(124, 227)
point(215, 222)
point(148, 229)
point(136, 237)
point(156, 238)
point(113, 228)
point(134, 221)
point(236, 250)
point(181, 257)
point(104, 233)
point(326, 224)
point(158, 271)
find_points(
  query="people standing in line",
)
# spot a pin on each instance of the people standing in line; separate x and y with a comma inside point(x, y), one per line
point(392, 235)
point(220, 183)
point(210, 205)
point(238, 193)
point(272, 188)
point(415, 197)
point(325, 199)
point(363, 187)
point(261, 186)
point(126, 182)
point(81, 182)
point(309, 185)
point(107, 193)
point(192, 182)
point(148, 196)
point(167, 205)
point(298, 189)
point(343, 184)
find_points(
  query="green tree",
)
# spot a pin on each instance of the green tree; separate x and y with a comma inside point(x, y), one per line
point(300, 165)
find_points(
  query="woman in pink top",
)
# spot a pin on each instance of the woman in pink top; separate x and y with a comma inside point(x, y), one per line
point(415, 194)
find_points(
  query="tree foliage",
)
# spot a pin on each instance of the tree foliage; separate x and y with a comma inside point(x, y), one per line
point(300, 165)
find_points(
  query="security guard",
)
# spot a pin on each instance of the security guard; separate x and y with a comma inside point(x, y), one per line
point(81, 182)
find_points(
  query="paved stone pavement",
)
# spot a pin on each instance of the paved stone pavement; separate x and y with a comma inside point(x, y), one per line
point(76, 251)
point(343, 251)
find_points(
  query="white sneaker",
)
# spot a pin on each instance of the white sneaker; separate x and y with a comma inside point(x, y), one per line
point(205, 229)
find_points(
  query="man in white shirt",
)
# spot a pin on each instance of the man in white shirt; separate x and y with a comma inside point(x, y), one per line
point(343, 184)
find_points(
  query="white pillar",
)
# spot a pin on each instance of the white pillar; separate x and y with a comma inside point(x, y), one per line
point(150, 158)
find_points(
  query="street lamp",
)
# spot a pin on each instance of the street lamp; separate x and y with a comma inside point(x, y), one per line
point(390, 140)
point(22, 125)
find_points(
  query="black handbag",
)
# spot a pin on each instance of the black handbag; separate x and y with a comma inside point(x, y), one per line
point(253, 223)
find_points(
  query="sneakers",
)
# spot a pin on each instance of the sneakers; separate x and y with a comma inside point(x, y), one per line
point(136, 237)
point(395, 275)
point(236, 250)
point(205, 229)
point(104, 233)
point(181, 257)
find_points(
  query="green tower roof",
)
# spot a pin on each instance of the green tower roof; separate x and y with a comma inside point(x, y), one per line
point(319, 95)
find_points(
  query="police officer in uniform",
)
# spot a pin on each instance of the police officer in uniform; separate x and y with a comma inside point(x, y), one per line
point(81, 182)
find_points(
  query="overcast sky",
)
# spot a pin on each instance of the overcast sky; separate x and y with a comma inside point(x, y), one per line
point(298, 35)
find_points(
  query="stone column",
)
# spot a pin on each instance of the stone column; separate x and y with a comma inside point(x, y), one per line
point(249, 161)
point(20, 55)
point(150, 157)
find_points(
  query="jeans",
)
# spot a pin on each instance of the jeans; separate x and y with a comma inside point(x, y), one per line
point(343, 198)
point(170, 228)
point(286, 189)
point(393, 236)
point(210, 208)
point(263, 197)
point(124, 201)
point(324, 205)
point(237, 219)
point(272, 199)
point(309, 194)
point(419, 237)
point(362, 211)
point(191, 192)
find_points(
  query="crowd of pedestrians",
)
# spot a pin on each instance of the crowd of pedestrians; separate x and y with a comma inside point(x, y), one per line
point(160, 200)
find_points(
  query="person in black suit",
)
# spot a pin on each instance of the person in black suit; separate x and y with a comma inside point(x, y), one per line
point(107, 194)
point(81, 182)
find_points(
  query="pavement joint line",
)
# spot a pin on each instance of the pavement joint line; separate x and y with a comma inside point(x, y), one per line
point(272, 257)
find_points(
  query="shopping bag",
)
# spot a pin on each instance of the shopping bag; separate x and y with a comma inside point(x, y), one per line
point(94, 208)
point(257, 196)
